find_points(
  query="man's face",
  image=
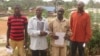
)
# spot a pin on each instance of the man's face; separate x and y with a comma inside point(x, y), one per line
point(17, 10)
point(60, 12)
point(80, 6)
point(39, 11)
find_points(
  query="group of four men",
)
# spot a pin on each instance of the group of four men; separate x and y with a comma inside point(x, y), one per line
point(78, 31)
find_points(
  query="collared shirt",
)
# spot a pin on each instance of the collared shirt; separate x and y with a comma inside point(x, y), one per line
point(80, 26)
point(58, 26)
point(17, 25)
point(37, 42)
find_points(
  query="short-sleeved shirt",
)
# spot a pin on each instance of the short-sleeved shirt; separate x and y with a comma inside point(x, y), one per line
point(17, 27)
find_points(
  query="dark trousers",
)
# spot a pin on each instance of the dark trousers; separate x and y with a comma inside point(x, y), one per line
point(39, 53)
point(74, 46)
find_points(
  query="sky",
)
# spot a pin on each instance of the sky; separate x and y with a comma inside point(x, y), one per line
point(85, 1)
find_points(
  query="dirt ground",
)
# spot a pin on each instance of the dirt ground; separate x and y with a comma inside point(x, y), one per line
point(3, 25)
point(3, 29)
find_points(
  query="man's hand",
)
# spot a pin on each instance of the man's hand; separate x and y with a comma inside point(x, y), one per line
point(67, 37)
point(7, 45)
point(42, 33)
point(52, 35)
point(55, 37)
point(25, 45)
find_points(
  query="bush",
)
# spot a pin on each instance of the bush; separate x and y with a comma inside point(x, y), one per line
point(94, 44)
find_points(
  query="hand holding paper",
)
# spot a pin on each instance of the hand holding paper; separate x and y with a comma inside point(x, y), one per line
point(60, 40)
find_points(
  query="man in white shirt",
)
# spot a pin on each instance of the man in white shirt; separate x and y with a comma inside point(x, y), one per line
point(38, 30)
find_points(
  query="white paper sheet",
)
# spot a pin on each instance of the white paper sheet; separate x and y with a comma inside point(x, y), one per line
point(40, 25)
point(9, 50)
point(84, 45)
point(60, 40)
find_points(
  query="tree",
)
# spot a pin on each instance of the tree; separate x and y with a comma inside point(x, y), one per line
point(91, 4)
point(74, 2)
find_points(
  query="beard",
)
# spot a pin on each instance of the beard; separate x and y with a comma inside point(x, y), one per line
point(17, 14)
point(80, 9)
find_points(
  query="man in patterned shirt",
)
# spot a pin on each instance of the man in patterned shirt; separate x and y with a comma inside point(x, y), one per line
point(17, 31)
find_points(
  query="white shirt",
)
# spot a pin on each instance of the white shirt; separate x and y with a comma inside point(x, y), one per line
point(37, 42)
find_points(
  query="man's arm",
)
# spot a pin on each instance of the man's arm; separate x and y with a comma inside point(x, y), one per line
point(8, 33)
point(68, 31)
point(26, 36)
point(31, 30)
point(52, 34)
point(51, 28)
point(71, 21)
point(88, 30)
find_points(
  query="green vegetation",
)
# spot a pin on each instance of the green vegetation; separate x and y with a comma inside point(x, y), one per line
point(93, 46)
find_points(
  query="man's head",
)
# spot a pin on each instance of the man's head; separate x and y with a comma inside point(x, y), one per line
point(80, 5)
point(39, 11)
point(17, 10)
point(60, 13)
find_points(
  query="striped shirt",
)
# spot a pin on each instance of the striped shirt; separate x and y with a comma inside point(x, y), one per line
point(17, 25)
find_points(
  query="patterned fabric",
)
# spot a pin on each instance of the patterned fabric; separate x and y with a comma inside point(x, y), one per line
point(17, 25)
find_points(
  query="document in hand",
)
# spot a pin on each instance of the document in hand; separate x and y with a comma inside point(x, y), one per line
point(9, 50)
point(60, 40)
point(40, 25)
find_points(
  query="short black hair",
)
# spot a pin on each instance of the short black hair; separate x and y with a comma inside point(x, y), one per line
point(60, 8)
point(17, 7)
point(39, 7)
point(81, 2)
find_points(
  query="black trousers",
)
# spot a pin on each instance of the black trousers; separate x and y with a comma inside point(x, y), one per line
point(39, 53)
point(75, 46)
